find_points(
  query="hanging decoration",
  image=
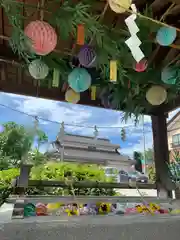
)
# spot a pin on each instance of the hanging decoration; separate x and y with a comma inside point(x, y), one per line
point(123, 135)
point(87, 56)
point(141, 66)
point(156, 95)
point(79, 79)
point(55, 81)
point(166, 36)
point(38, 69)
point(134, 42)
point(71, 96)
point(43, 37)
point(80, 34)
point(119, 6)
point(113, 70)
point(169, 75)
point(93, 92)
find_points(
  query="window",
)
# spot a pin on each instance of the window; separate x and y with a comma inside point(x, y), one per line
point(176, 139)
point(91, 148)
point(123, 172)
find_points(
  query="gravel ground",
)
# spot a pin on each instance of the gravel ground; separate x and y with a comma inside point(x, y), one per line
point(90, 228)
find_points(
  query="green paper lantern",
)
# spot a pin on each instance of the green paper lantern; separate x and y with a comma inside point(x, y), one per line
point(169, 75)
point(38, 69)
point(29, 210)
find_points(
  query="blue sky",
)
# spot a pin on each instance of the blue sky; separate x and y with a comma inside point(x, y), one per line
point(108, 121)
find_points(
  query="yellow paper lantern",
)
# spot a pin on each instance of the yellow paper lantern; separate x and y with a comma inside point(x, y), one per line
point(72, 96)
point(119, 6)
point(53, 206)
point(156, 95)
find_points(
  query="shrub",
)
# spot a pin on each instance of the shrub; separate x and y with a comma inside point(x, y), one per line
point(55, 171)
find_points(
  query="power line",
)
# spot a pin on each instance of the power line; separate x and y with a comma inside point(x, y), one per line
point(66, 124)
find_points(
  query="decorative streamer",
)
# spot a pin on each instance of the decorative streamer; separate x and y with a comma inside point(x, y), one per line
point(55, 82)
point(134, 42)
point(80, 34)
point(93, 92)
point(113, 70)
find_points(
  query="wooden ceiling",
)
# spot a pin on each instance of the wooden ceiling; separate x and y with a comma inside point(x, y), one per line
point(14, 79)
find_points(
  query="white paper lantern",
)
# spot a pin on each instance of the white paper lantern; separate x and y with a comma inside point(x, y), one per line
point(38, 69)
point(156, 95)
point(119, 6)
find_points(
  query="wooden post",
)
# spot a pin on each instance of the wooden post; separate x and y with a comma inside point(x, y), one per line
point(161, 154)
point(21, 184)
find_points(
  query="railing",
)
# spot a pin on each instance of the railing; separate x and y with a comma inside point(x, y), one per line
point(23, 182)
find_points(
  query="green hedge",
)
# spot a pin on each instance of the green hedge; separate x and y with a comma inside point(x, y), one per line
point(55, 171)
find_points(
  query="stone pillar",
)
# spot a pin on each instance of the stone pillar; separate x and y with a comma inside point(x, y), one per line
point(161, 154)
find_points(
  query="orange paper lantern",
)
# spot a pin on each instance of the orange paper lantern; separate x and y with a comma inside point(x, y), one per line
point(43, 37)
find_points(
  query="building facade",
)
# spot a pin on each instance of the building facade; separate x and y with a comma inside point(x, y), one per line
point(173, 129)
point(82, 149)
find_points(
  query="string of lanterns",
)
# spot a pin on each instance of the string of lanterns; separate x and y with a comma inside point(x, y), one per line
point(44, 41)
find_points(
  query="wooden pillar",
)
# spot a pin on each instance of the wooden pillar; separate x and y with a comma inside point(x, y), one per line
point(161, 153)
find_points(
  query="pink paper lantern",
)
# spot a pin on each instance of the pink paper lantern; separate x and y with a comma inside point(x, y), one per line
point(130, 210)
point(43, 37)
point(141, 66)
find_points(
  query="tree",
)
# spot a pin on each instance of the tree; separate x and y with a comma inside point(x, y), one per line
point(138, 157)
point(149, 156)
point(15, 143)
point(152, 173)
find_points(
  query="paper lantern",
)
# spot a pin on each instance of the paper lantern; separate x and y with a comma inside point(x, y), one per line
point(119, 6)
point(141, 66)
point(71, 96)
point(29, 210)
point(87, 56)
point(169, 75)
point(79, 79)
point(43, 37)
point(166, 36)
point(53, 206)
point(38, 69)
point(41, 209)
point(156, 95)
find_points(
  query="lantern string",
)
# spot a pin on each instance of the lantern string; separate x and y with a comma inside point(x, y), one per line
point(66, 124)
point(100, 19)
point(127, 9)
point(42, 10)
point(149, 18)
point(167, 11)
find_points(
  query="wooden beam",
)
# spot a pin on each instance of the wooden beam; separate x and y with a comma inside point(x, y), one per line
point(171, 106)
point(43, 92)
point(89, 184)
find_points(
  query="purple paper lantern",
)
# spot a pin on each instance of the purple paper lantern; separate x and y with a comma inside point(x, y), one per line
point(87, 56)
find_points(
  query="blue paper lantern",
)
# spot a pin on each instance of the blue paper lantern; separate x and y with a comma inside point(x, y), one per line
point(169, 75)
point(166, 36)
point(79, 80)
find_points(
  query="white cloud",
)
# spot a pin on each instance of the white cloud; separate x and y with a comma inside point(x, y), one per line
point(109, 122)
